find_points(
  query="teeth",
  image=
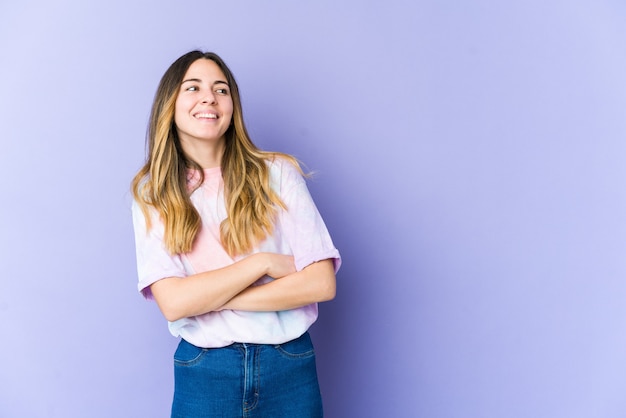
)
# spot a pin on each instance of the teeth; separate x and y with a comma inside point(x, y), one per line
point(206, 115)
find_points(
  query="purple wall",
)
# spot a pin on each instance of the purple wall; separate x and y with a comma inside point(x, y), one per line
point(471, 170)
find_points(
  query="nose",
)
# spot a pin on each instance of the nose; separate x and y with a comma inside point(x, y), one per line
point(209, 98)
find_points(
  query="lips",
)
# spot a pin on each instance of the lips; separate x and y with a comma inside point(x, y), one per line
point(205, 115)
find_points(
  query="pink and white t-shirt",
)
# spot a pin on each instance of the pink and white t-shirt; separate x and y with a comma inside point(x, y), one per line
point(299, 231)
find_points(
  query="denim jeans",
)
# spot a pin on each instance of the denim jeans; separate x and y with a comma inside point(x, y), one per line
point(247, 380)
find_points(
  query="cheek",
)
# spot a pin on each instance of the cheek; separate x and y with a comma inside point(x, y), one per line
point(228, 110)
point(178, 112)
point(231, 108)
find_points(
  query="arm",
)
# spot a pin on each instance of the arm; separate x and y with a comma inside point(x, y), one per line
point(204, 292)
point(314, 283)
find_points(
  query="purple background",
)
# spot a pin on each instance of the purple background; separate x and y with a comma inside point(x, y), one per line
point(470, 160)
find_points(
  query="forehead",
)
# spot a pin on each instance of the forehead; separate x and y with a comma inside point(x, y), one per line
point(205, 70)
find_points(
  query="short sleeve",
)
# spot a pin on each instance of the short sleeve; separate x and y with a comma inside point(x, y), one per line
point(154, 262)
point(302, 225)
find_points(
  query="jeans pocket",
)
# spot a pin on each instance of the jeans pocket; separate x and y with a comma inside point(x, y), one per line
point(187, 354)
point(300, 348)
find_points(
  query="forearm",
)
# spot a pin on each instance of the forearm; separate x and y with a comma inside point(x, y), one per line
point(205, 292)
point(315, 283)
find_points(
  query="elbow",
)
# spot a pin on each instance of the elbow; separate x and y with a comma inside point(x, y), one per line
point(328, 296)
point(175, 312)
point(175, 308)
point(172, 316)
point(328, 290)
point(171, 312)
point(168, 301)
point(326, 283)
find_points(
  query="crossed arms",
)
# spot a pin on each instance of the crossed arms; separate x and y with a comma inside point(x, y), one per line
point(230, 287)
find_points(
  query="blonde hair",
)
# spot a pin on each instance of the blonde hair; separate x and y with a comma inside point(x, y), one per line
point(162, 182)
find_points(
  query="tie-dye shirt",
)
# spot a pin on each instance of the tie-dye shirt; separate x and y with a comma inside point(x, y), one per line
point(299, 231)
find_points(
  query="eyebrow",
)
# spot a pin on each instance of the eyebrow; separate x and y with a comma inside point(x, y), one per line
point(197, 80)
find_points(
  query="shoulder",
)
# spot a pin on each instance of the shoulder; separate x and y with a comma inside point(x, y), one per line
point(145, 215)
point(284, 170)
point(284, 164)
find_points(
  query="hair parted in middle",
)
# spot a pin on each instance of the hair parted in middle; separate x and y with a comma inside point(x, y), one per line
point(162, 183)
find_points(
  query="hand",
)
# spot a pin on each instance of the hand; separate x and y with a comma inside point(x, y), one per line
point(279, 265)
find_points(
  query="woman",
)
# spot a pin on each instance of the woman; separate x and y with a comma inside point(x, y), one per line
point(233, 250)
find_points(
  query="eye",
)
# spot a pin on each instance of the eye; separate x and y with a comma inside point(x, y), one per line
point(192, 88)
point(222, 91)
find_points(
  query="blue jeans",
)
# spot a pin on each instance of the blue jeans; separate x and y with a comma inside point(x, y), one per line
point(247, 380)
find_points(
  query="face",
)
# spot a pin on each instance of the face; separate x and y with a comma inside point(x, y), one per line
point(204, 106)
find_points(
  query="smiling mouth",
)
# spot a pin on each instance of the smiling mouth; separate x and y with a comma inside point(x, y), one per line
point(205, 116)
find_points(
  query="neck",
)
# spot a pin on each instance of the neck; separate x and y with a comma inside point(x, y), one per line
point(207, 154)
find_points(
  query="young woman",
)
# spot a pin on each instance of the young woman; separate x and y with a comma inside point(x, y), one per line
point(233, 250)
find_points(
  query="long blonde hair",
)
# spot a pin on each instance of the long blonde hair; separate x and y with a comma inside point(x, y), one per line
point(251, 204)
